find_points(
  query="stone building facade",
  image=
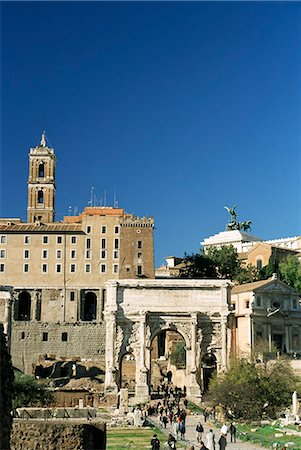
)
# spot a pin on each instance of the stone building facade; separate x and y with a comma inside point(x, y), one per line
point(57, 271)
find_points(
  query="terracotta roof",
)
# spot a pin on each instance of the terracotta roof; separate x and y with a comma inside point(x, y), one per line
point(250, 286)
point(40, 227)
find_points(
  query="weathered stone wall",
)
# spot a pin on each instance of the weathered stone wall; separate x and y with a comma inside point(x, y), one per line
point(6, 379)
point(84, 340)
point(58, 434)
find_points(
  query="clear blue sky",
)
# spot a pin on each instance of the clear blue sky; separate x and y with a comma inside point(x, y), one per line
point(181, 107)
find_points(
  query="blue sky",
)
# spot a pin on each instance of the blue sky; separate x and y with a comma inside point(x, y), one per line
point(181, 108)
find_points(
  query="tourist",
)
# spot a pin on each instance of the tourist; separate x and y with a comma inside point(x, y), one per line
point(202, 446)
point(224, 429)
point(182, 429)
point(206, 414)
point(171, 442)
point(233, 432)
point(185, 402)
point(164, 420)
point(175, 427)
point(222, 442)
point(210, 440)
point(199, 430)
point(155, 443)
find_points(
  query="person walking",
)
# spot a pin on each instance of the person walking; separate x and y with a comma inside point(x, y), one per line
point(164, 420)
point(224, 429)
point(199, 431)
point(155, 443)
point(232, 432)
point(171, 442)
point(182, 429)
point(210, 440)
point(222, 442)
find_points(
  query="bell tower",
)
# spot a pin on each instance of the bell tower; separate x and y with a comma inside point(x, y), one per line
point(41, 183)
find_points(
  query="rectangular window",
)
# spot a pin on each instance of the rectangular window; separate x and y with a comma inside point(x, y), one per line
point(72, 268)
point(103, 268)
point(247, 304)
point(26, 239)
point(72, 254)
point(139, 244)
point(88, 254)
point(73, 240)
point(116, 254)
point(45, 337)
point(294, 303)
point(64, 337)
point(116, 230)
point(88, 229)
point(258, 301)
point(44, 254)
point(88, 243)
point(59, 239)
point(139, 255)
point(45, 239)
point(44, 268)
point(59, 254)
point(233, 306)
point(2, 239)
point(23, 335)
point(2, 253)
point(26, 254)
point(139, 270)
point(116, 243)
point(103, 243)
point(58, 268)
point(87, 268)
point(103, 229)
point(115, 268)
point(103, 254)
point(72, 296)
point(2, 267)
point(26, 268)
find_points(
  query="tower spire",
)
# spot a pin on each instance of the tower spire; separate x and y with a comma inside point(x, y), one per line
point(43, 140)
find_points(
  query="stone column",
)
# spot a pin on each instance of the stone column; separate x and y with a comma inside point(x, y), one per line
point(193, 389)
point(142, 389)
point(224, 343)
point(110, 378)
point(286, 338)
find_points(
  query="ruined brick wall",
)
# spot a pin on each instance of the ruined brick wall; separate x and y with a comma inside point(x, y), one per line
point(84, 340)
point(58, 434)
point(6, 379)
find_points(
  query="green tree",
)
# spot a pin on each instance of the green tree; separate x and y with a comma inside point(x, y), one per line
point(197, 265)
point(247, 274)
point(178, 355)
point(290, 272)
point(27, 391)
point(251, 391)
point(225, 260)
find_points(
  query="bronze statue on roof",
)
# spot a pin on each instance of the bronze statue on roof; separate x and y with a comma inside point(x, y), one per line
point(233, 224)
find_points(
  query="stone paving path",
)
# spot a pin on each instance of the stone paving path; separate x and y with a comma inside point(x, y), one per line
point(191, 423)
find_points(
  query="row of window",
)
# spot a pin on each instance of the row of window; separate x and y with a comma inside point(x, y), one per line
point(259, 303)
point(72, 268)
point(73, 241)
point(45, 254)
point(64, 336)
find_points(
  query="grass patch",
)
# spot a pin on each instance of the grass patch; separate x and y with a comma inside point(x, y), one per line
point(265, 436)
point(195, 408)
point(138, 438)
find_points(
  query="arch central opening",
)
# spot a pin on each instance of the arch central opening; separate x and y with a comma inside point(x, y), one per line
point(168, 362)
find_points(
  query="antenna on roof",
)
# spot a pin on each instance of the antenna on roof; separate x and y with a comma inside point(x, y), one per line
point(115, 199)
point(104, 198)
point(69, 210)
point(75, 210)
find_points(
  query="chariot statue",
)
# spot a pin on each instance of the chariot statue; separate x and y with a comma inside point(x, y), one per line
point(233, 224)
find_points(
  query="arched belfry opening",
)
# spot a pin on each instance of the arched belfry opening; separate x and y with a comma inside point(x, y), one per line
point(23, 306)
point(40, 196)
point(41, 170)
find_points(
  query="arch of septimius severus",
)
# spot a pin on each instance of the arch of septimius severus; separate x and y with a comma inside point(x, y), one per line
point(136, 311)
